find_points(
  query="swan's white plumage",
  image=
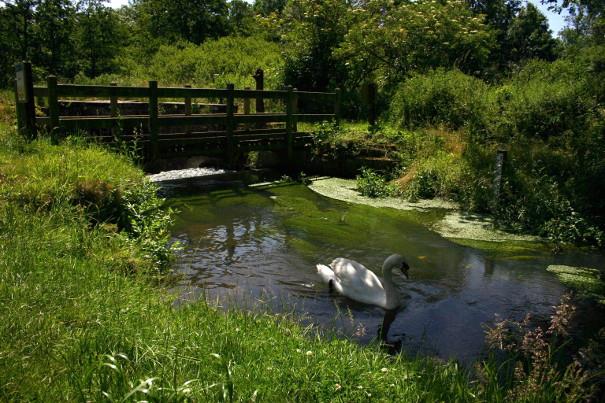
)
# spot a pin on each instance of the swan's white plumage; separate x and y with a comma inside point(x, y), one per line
point(354, 280)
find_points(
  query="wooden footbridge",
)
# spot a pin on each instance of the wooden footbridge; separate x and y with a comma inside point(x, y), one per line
point(167, 122)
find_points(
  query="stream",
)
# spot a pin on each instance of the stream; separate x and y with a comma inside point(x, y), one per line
point(256, 248)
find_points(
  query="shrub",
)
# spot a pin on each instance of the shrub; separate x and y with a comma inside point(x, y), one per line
point(441, 97)
point(372, 184)
point(543, 103)
point(214, 64)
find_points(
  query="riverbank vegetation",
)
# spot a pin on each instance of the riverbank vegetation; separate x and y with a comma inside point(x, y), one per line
point(84, 236)
point(83, 320)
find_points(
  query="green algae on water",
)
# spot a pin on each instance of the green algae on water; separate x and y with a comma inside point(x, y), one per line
point(588, 282)
point(441, 216)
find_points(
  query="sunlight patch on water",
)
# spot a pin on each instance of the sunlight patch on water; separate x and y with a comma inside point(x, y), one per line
point(184, 173)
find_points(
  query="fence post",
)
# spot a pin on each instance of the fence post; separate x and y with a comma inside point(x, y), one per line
point(247, 104)
point(53, 108)
point(230, 126)
point(187, 101)
point(290, 123)
point(372, 112)
point(337, 100)
point(259, 77)
point(25, 103)
point(113, 108)
point(153, 119)
point(498, 169)
point(188, 107)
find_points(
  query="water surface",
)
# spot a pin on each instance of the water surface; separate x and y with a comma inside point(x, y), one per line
point(258, 247)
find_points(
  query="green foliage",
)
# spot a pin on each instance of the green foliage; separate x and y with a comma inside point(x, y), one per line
point(529, 37)
point(183, 20)
point(372, 184)
point(311, 31)
point(444, 175)
point(100, 36)
point(106, 189)
point(70, 315)
point(440, 97)
point(548, 361)
point(389, 40)
point(213, 64)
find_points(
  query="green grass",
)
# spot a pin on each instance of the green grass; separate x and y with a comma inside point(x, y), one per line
point(82, 320)
point(76, 326)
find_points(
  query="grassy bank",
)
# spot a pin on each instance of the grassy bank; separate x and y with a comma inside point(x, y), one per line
point(83, 321)
point(82, 243)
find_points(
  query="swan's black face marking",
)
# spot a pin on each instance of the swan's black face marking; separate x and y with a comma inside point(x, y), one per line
point(404, 270)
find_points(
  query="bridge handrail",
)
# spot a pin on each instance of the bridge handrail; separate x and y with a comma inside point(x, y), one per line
point(26, 93)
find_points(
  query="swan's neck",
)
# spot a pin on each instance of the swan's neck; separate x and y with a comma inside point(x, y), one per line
point(391, 292)
point(387, 274)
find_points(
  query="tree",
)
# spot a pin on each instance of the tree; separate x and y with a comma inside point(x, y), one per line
point(241, 18)
point(54, 37)
point(499, 15)
point(389, 40)
point(189, 20)
point(99, 37)
point(587, 18)
point(266, 7)
point(528, 36)
point(311, 31)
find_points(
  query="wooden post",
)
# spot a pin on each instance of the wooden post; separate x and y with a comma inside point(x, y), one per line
point(337, 101)
point(498, 169)
point(20, 112)
point(247, 104)
point(187, 107)
point(113, 109)
point(25, 102)
point(53, 108)
point(188, 102)
point(154, 119)
point(259, 77)
point(372, 112)
point(230, 127)
point(113, 100)
point(290, 106)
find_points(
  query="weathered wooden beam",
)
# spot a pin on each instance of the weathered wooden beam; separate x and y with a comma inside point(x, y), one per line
point(180, 92)
point(25, 100)
point(261, 118)
point(314, 117)
point(230, 127)
point(53, 109)
point(337, 101)
point(182, 120)
point(88, 123)
point(101, 91)
point(154, 127)
point(290, 110)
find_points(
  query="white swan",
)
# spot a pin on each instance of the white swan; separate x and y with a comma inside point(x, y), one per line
point(353, 280)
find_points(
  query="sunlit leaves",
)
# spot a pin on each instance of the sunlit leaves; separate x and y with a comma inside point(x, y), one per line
point(390, 39)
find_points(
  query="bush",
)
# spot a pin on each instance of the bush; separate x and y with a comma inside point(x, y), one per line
point(372, 184)
point(440, 97)
point(214, 64)
point(545, 100)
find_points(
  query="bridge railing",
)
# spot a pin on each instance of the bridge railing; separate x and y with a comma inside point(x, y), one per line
point(226, 126)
